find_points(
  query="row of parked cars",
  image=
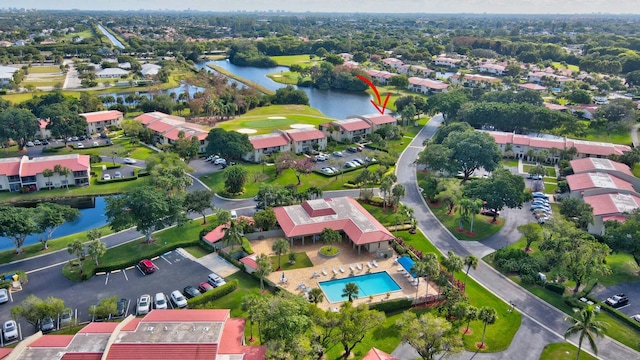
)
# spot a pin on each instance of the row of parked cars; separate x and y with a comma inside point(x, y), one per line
point(541, 208)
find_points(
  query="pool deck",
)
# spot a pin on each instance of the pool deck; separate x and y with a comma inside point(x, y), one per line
point(347, 256)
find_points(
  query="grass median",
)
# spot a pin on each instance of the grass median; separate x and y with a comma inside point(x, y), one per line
point(563, 351)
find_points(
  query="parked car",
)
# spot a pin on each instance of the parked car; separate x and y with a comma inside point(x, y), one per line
point(66, 317)
point(95, 143)
point(36, 142)
point(117, 175)
point(327, 170)
point(338, 154)
point(45, 142)
point(321, 157)
point(636, 317)
point(234, 215)
point(75, 138)
point(489, 212)
point(144, 303)
point(106, 177)
point(30, 144)
point(129, 161)
point(212, 158)
point(178, 299)
point(4, 296)
point(540, 207)
point(121, 307)
point(160, 301)
point(618, 300)
point(219, 161)
point(543, 219)
point(10, 330)
point(368, 159)
point(147, 266)
point(204, 286)
point(539, 195)
point(215, 280)
point(359, 148)
point(47, 325)
point(352, 149)
point(349, 164)
point(190, 292)
point(540, 202)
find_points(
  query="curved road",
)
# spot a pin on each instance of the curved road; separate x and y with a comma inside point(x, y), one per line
point(541, 323)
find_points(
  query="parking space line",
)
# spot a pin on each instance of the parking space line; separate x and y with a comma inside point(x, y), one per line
point(115, 271)
point(101, 273)
point(106, 280)
point(125, 274)
point(140, 270)
point(155, 258)
point(163, 258)
point(130, 267)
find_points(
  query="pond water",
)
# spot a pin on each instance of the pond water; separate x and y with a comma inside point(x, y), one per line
point(112, 38)
point(92, 215)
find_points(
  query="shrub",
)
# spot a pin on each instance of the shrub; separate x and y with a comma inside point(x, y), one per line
point(556, 288)
point(214, 294)
point(392, 306)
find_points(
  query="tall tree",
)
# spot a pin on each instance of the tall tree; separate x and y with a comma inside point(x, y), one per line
point(302, 167)
point(470, 261)
point(77, 248)
point(186, 148)
point(280, 247)
point(146, 208)
point(64, 172)
point(488, 316)
point(350, 291)
point(234, 178)
point(531, 232)
point(502, 189)
point(330, 236)
point(232, 234)
point(50, 216)
point(429, 335)
point(199, 201)
point(470, 315)
point(285, 318)
point(578, 211)
point(447, 103)
point(48, 173)
point(585, 324)
point(63, 122)
point(16, 224)
point(453, 263)
point(33, 309)
point(96, 249)
point(228, 144)
point(428, 267)
point(354, 323)
point(19, 125)
point(471, 151)
point(264, 268)
point(265, 219)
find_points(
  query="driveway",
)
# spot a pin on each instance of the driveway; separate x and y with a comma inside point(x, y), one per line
point(632, 290)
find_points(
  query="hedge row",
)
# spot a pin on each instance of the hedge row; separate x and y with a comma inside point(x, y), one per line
point(392, 306)
point(616, 313)
point(135, 258)
point(556, 288)
point(6, 283)
point(214, 294)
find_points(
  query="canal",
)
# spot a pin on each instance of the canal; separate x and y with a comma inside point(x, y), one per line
point(112, 38)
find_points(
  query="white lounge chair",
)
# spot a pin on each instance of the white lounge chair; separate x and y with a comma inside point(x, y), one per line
point(341, 269)
point(375, 263)
point(401, 269)
point(353, 268)
point(335, 271)
point(324, 271)
point(369, 264)
point(359, 266)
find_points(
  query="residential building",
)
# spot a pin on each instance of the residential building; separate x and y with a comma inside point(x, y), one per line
point(555, 107)
point(381, 77)
point(447, 61)
point(112, 73)
point(343, 214)
point(393, 62)
point(521, 144)
point(534, 87)
point(593, 183)
point(167, 128)
point(539, 76)
point(268, 144)
point(303, 140)
point(195, 334)
point(586, 111)
point(426, 86)
point(610, 207)
point(414, 70)
point(492, 68)
point(98, 121)
point(150, 70)
point(6, 74)
point(615, 168)
point(346, 130)
point(376, 120)
point(24, 172)
point(475, 80)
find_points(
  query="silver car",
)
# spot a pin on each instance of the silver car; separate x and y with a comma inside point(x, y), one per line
point(4, 296)
point(144, 303)
point(10, 330)
point(178, 299)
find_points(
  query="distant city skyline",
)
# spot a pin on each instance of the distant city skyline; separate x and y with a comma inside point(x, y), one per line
point(362, 6)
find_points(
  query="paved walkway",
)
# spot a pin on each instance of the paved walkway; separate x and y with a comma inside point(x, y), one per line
point(538, 316)
point(216, 264)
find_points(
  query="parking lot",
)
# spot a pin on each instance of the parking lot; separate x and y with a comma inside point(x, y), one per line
point(339, 161)
point(174, 272)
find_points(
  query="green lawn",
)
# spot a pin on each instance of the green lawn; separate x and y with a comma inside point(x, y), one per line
point(386, 216)
point(570, 67)
point(510, 162)
point(551, 171)
point(246, 285)
point(288, 60)
point(482, 228)
point(285, 77)
point(46, 69)
point(419, 242)
point(270, 118)
point(619, 136)
point(563, 351)
point(302, 261)
point(197, 251)
point(83, 34)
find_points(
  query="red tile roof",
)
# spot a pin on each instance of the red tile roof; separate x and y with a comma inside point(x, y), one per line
point(250, 261)
point(269, 140)
point(99, 328)
point(350, 217)
point(612, 204)
point(595, 148)
point(543, 143)
point(10, 166)
point(557, 107)
point(353, 124)
point(298, 135)
point(198, 351)
point(187, 315)
point(75, 162)
point(4, 352)
point(593, 180)
point(81, 356)
point(105, 115)
point(160, 126)
point(131, 325)
point(375, 354)
point(190, 130)
point(391, 61)
point(232, 339)
point(52, 341)
point(431, 84)
point(155, 116)
point(381, 74)
point(597, 164)
point(216, 234)
point(43, 123)
point(379, 119)
point(534, 87)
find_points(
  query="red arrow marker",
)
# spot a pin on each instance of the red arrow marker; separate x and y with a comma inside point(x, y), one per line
point(379, 105)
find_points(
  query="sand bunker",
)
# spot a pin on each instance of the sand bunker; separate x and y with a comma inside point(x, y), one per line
point(276, 117)
point(247, 131)
point(301, 126)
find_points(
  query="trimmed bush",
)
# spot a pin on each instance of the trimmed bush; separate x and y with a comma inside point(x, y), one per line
point(392, 306)
point(214, 294)
point(556, 288)
point(616, 313)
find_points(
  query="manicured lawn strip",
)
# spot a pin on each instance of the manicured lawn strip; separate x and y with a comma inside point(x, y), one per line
point(48, 81)
point(83, 34)
point(302, 261)
point(482, 225)
point(60, 243)
point(386, 216)
point(288, 60)
point(46, 69)
point(510, 162)
point(419, 242)
point(286, 77)
point(246, 285)
point(216, 180)
point(258, 119)
point(623, 269)
point(551, 171)
point(619, 330)
point(197, 251)
point(619, 136)
point(244, 81)
point(563, 351)
point(570, 67)
point(283, 110)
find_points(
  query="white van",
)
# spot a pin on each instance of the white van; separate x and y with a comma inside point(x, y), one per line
point(234, 215)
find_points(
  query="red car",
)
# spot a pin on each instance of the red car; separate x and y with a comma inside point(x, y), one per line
point(147, 266)
point(204, 286)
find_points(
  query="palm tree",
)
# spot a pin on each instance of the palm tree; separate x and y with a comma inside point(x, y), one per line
point(452, 263)
point(77, 248)
point(488, 316)
point(249, 304)
point(585, 324)
point(474, 209)
point(464, 206)
point(330, 236)
point(315, 192)
point(264, 268)
point(350, 291)
point(48, 173)
point(232, 235)
point(281, 246)
point(63, 171)
point(427, 267)
point(470, 261)
point(97, 249)
point(316, 296)
point(470, 315)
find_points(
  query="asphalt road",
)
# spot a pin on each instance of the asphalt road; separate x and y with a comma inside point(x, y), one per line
point(542, 317)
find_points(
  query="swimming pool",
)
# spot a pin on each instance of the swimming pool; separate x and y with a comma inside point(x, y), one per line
point(368, 284)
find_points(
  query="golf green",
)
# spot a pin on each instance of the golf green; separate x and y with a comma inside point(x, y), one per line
point(267, 123)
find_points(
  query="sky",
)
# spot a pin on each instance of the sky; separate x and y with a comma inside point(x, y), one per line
point(364, 6)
